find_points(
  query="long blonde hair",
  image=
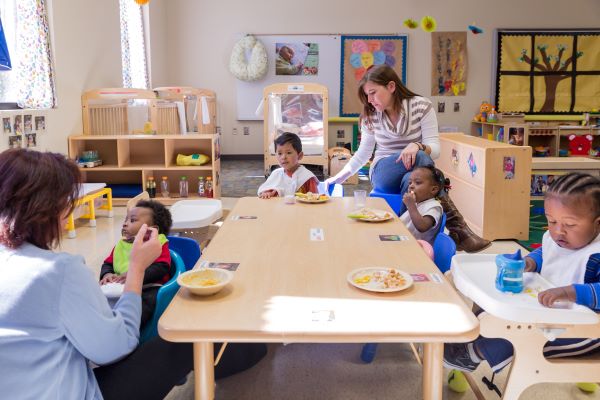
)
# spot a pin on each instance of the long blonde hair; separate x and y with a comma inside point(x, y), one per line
point(381, 75)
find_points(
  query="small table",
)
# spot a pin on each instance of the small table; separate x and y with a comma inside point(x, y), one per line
point(289, 288)
point(88, 193)
point(528, 325)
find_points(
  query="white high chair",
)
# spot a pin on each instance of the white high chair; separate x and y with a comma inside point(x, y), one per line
point(522, 320)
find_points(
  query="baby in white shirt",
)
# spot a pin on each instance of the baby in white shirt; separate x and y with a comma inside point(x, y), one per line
point(424, 212)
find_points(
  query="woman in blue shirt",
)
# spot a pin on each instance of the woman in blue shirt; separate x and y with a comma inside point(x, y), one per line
point(54, 320)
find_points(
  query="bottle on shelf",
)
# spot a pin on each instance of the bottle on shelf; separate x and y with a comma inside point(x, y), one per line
point(183, 187)
point(208, 187)
point(151, 187)
point(492, 115)
point(201, 190)
point(164, 187)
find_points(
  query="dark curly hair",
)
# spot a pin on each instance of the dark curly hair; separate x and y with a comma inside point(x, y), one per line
point(37, 190)
point(580, 185)
point(437, 177)
point(161, 217)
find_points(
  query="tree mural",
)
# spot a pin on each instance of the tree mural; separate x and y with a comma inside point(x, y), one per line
point(551, 80)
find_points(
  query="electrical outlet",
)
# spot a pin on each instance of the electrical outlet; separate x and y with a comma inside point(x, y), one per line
point(246, 130)
point(234, 131)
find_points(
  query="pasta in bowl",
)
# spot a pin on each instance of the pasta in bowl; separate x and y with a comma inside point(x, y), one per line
point(205, 281)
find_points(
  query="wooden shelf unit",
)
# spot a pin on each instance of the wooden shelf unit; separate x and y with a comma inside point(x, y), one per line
point(546, 134)
point(132, 159)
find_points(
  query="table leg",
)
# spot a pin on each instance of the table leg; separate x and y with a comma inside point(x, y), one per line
point(433, 357)
point(204, 371)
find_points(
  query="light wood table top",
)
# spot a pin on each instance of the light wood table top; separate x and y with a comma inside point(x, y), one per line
point(287, 286)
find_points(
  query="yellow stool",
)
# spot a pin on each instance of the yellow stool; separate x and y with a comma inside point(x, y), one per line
point(88, 200)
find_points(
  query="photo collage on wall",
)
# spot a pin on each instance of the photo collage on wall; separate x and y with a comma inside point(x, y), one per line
point(22, 130)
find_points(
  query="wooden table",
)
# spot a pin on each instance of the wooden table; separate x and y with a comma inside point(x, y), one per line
point(287, 287)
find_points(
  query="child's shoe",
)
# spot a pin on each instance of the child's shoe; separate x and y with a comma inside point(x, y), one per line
point(460, 356)
point(457, 381)
point(588, 387)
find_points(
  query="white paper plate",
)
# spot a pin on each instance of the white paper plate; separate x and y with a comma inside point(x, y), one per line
point(374, 285)
point(303, 200)
point(381, 216)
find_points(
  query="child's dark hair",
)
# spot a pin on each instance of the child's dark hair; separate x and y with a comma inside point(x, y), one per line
point(160, 215)
point(577, 184)
point(437, 177)
point(288, 137)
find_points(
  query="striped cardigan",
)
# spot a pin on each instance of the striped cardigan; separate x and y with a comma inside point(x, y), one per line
point(420, 126)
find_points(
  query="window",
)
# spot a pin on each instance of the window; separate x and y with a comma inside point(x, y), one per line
point(30, 83)
point(133, 47)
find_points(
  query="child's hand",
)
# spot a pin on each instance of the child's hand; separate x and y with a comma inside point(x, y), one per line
point(108, 278)
point(530, 265)
point(409, 199)
point(563, 293)
point(121, 278)
point(267, 194)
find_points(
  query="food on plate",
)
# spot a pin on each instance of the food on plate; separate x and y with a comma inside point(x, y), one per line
point(389, 279)
point(310, 196)
point(362, 279)
point(200, 280)
point(367, 213)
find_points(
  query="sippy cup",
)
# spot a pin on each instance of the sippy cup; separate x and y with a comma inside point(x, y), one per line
point(509, 276)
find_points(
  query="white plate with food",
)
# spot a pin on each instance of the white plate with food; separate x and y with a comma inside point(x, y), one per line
point(370, 215)
point(205, 281)
point(380, 279)
point(312, 197)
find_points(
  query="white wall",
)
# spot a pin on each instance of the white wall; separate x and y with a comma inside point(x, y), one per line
point(200, 34)
point(191, 41)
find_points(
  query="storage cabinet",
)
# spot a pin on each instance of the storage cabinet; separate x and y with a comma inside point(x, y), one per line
point(132, 159)
point(490, 184)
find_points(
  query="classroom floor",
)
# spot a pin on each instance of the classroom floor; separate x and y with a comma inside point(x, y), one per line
point(315, 371)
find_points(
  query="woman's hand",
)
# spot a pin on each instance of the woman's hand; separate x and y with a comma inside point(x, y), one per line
point(143, 253)
point(267, 194)
point(563, 293)
point(408, 155)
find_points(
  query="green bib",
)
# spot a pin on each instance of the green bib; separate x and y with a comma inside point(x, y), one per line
point(123, 251)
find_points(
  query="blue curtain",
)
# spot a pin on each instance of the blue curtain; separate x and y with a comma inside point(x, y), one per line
point(5, 64)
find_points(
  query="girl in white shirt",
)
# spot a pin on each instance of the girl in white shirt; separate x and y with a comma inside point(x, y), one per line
point(424, 212)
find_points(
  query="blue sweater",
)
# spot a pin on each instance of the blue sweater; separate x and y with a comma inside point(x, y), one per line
point(588, 293)
point(54, 320)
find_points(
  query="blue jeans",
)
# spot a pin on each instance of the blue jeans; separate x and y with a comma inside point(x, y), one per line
point(391, 177)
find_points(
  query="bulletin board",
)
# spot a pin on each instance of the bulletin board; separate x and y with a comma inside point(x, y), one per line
point(249, 94)
point(359, 53)
point(548, 71)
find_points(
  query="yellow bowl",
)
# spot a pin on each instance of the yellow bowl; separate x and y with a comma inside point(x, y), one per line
point(205, 282)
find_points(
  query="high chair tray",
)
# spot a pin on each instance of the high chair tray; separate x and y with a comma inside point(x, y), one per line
point(194, 214)
point(475, 274)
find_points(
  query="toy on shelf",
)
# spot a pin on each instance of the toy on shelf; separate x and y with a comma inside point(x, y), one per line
point(89, 159)
point(541, 151)
point(194, 159)
point(580, 145)
point(500, 135)
point(492, 115)
point(484, 109)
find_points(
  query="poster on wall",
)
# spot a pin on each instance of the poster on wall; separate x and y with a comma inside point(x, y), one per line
point(449, 63)
point(358, 54)
point(548, 71)
point(296, 58)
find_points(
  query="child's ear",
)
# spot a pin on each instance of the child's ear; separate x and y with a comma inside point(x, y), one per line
point(300, 155)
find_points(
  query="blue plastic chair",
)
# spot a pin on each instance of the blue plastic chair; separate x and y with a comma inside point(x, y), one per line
point(164, 296)
point(444, 249)
point(335, 190)
point(188, 249)
point(393, 199)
